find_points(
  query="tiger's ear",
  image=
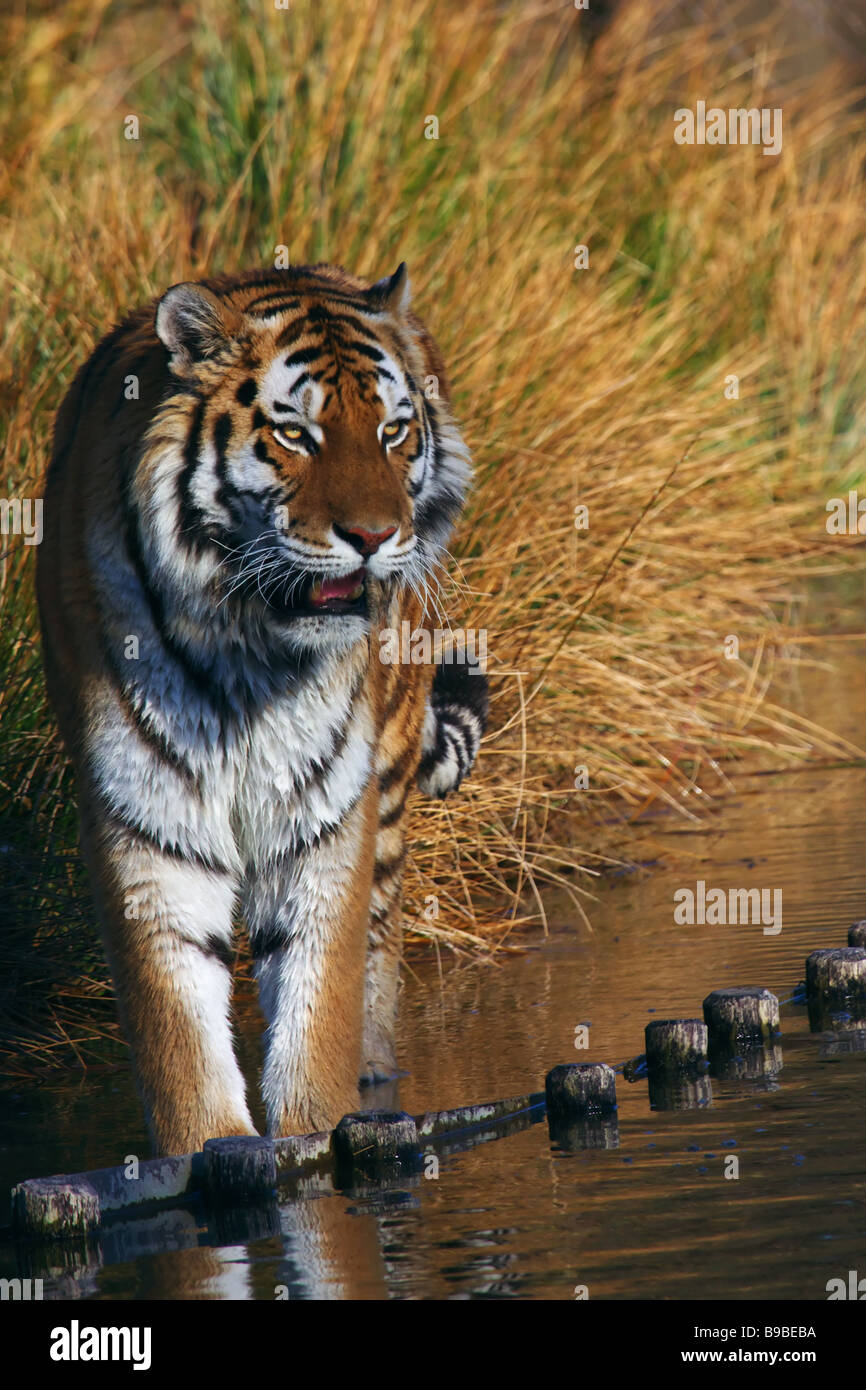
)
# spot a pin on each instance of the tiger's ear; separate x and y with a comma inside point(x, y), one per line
point(193, 323)
point(393, 293)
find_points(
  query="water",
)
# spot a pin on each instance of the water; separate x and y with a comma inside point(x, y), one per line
point(653, 1218)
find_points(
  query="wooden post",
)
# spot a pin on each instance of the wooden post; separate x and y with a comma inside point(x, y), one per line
point(741, 1018)
point(676, 1055)
point(857, 934)
point(581, 1106)
point(239, 1171)
point(61, 1208)
point(375, 1144)
point(578, 1089)
point(836, 986)
point(240, 1180)
point(676, 1045)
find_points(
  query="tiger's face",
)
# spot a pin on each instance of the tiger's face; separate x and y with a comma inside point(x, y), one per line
point(321, 471)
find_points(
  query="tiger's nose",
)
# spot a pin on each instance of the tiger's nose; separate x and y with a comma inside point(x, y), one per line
point(365, 542)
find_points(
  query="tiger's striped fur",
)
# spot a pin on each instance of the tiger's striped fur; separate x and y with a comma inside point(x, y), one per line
point(248, 483)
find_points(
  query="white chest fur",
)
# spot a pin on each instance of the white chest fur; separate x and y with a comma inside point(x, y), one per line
point(304, 763)
point(290, 773)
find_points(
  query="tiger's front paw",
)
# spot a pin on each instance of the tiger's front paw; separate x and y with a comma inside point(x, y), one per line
point(455, 720)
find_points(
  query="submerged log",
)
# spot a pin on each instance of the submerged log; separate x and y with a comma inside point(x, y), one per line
point(245, 1170)
point(435, 1122)
point(72, 1202)
point(303, 1154)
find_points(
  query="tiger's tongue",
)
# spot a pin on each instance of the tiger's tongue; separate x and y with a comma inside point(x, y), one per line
point(347, 586)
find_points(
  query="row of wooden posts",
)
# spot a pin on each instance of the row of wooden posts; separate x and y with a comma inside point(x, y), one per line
point(735, 1037)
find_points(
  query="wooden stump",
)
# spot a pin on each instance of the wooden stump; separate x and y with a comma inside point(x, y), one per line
point(375, 1144)
point(857, 934)
point(737, 1019)
point(56, 1208)
point(581, 1106)
point(676, 1058)
point(676, 1045)
point(836, 986)
point(239, 1171)
point(579, 1089)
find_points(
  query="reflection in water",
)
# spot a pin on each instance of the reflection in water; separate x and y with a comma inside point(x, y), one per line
point(330, 1253)
point(594, 1132)
point(679, 1092)
point(760, 1065)
point(656, 1214)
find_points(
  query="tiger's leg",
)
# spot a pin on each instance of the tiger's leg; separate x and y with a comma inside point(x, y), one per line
point(167, 925)
point(382, 973)
point(307, 914)
point(438, 736)
point(399, 750)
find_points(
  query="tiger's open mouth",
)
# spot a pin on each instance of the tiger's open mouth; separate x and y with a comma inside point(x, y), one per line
point(339, 595)
point(346, 594)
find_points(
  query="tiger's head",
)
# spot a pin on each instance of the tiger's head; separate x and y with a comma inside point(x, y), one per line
point(321, 468)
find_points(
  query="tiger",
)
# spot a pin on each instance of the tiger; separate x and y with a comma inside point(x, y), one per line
point(253, 477)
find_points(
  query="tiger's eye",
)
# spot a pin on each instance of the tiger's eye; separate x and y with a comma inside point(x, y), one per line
point(392, 429)
point(291, 432)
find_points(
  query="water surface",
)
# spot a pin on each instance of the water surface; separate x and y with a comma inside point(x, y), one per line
point(654, 1217)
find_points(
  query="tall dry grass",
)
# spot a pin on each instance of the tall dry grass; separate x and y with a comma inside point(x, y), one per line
point(602, 387)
